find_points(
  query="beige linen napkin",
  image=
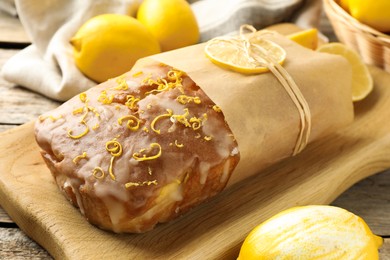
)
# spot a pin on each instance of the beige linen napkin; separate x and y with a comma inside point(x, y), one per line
point(8, 7)
point(47, 66)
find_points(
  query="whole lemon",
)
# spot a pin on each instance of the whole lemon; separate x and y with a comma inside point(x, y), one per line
point(172, 22)
point(108, 45)
point(373, 13)
point(344, 4)
point(312, 232)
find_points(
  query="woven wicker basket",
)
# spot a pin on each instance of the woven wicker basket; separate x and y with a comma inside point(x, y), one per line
point(372, 45)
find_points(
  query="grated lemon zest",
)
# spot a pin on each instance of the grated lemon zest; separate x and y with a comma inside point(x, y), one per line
point(196, 123)
point(178, 145)
point(114, 148)
point(176, 77)
point(162, 85)
point(80, 135)
point(131, 101)
point(110, 168)
point(217, 109)
point(137, 74)
point(79, 157)
point(53, 119)
point(182, 118)
point(104, 99)
point(147, 78)
point(132, 122)
point(96, 126)
point(184, 99)
point(122, 83)
point(93, 110)
point(78, 110)
point(97, 170)
point(137, 184)
point(83, 97)
point(144, 157)
point(152, 125)
point(208, 138)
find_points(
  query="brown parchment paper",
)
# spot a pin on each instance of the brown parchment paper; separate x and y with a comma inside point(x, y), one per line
point(261, 115)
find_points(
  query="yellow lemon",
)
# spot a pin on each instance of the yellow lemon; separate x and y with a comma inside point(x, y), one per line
point(307, 38)
point(232, 54)
point(108, 45)
point(362, 83)
point(312, 232)
point(344, 4)
point(373, 13)
point(172, 22)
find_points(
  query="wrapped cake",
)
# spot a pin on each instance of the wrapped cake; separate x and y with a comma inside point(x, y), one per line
point(149, 145)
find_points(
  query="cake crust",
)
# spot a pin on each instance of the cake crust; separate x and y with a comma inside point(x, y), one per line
point(139, 149)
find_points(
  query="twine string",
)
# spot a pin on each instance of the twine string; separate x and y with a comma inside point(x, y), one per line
point(256, 53)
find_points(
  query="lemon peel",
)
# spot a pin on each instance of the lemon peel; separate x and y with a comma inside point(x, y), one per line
point(86, 130)
point(115, 149)
point(98, 173)
point(246, 54)
point(375, 14)
point(171, 22)
point(251, 53)
point(133, 122)
point(108, 45)
point(77, 159)
point(307, 38)
point(362, 82)
point(137, 184)
point(312, 232)
point(137, 156)
point(153, 123)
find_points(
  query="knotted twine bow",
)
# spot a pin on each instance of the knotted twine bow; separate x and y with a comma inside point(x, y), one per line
point(261, 57)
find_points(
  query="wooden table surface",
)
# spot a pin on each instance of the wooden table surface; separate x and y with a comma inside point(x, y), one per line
point(370, 198)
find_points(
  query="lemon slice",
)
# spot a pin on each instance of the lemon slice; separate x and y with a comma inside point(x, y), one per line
point(247, 56)
point(312, 232)
point(307, 38)
point(362, 83)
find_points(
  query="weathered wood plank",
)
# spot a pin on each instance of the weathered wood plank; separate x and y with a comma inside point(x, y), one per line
point(19, 105)
point(370, 199)
point(384, 252)
point(4, 218)
point(6, 127)
point(14, 244)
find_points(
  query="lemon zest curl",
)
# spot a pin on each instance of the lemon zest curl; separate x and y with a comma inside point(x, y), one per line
point(80, 135)
point(137, 184)
point(184, 99)
point(79, 157)
point(97, 170)
point(132, 122)
point(152, 125)
point(138, 157)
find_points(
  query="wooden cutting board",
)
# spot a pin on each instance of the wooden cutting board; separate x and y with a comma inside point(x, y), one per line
point(214, 230)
